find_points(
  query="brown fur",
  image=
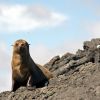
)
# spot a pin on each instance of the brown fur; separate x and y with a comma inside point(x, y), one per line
point(24, 70)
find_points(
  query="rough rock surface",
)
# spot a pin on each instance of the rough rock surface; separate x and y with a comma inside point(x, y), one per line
point(76, 77)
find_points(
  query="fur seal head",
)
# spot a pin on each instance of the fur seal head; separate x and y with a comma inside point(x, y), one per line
point(21, 47)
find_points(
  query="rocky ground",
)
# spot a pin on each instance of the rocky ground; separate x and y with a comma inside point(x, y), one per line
point(76, 77)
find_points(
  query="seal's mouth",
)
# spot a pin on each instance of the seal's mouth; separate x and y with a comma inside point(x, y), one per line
point(22, 49)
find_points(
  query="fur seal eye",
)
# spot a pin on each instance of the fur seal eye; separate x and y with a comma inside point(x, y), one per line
point(16, 44)
point(22, 44)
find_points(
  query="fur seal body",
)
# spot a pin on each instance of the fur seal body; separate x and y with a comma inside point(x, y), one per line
point(25, 72)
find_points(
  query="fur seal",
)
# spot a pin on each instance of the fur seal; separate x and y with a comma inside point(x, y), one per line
point(25, 72)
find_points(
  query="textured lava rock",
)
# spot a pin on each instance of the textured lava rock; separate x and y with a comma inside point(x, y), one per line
point(76, 77)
